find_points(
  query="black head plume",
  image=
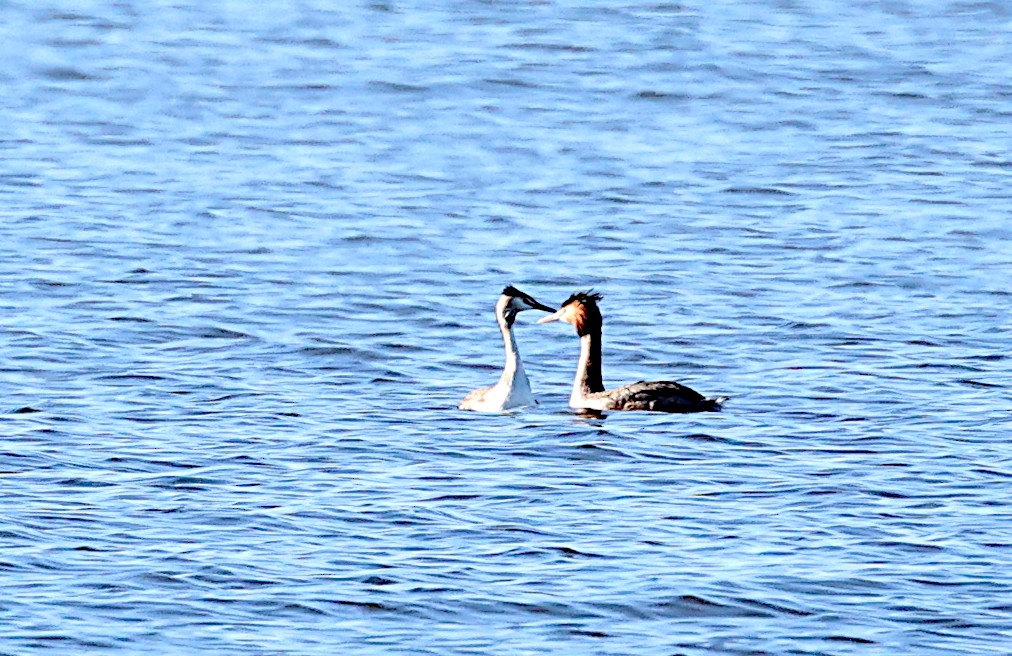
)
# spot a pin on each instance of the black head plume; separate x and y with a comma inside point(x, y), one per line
point(589, 297)
point(528, 302)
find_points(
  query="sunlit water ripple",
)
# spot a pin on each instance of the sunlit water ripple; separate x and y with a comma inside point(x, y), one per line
point(248, 261)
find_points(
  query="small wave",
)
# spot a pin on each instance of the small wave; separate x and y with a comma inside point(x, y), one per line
point(131, 319)
point(378, 580)
point(575, 553)
point(767, 191)
point(511, 82)
point(977, 383)
point(222, 333)
point(398, 87)
point(551, 47)
point(689, 605)
point(779, 609)
point(851, 639)
point(650, 94)
point(366, 605)
point(141, 377)
point(454, 497)
point(67, 73)
point(83, 482)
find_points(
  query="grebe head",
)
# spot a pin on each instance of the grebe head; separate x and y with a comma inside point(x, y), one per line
point(513, 301)
point(581, 310)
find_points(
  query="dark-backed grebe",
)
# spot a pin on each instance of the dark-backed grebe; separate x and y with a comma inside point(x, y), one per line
point(513, 389)
point(588, 389)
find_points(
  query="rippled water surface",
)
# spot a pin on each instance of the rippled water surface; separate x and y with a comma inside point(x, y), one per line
point(249, 255)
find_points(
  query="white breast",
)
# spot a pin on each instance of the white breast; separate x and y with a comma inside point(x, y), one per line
point(507, 394)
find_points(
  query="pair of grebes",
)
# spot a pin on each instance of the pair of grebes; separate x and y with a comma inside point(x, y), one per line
point(514, 389)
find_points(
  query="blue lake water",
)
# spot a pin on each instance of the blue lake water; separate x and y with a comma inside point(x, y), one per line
point(248, 258)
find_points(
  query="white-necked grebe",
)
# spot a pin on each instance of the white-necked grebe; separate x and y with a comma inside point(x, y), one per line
point(513, 389)
point(581, 310)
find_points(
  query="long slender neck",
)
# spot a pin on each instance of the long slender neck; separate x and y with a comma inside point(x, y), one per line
point(513, 363)
point(588, 371)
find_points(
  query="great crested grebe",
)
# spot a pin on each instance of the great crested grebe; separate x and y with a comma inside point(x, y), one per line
point(513, 389)
point(581, 310)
